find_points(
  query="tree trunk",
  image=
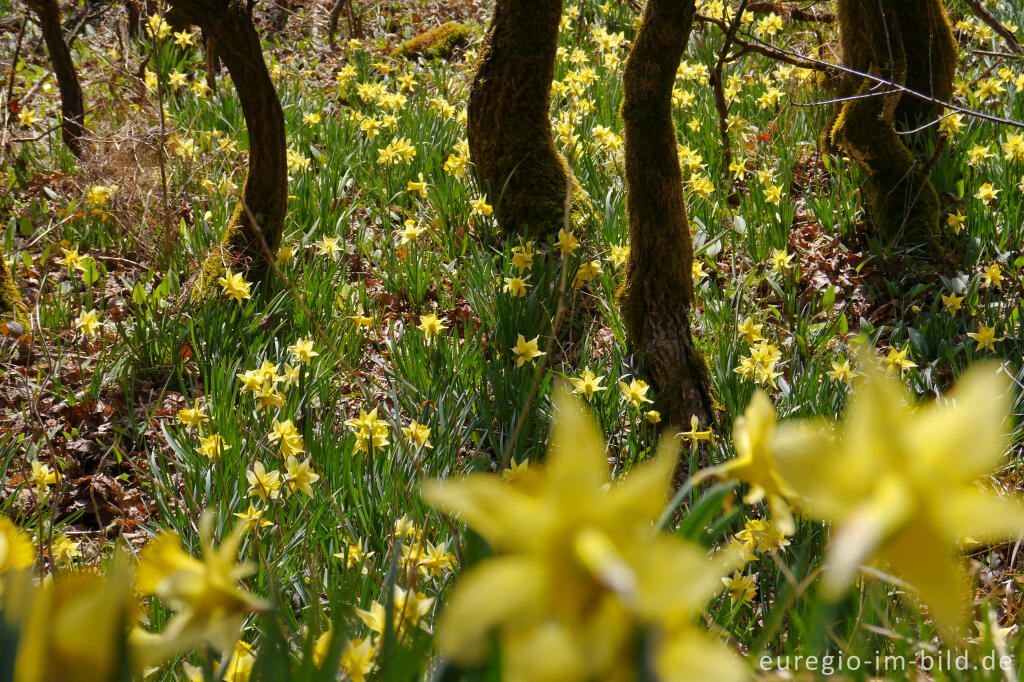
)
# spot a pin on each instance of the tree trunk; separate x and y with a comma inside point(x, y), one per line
point(72, 108)
point(658, 290)
point(909, 42)
point(212, 62)
point(254, 229)
point(11, 306)
point(510, 140)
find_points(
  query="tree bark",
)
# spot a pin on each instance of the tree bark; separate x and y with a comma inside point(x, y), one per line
point(658, 290)
point(510, 140)
point(254, 230)
point(72, 108)
point(212, 62)
point(909, 42)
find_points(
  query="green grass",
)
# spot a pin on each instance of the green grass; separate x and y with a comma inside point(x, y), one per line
point(156, 353)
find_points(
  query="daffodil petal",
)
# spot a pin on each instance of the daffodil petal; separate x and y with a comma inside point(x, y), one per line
point(498, 591)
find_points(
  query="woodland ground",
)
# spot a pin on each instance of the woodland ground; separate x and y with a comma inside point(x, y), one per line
point(105, 410)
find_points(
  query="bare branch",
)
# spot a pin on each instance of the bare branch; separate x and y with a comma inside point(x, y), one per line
point(792, 12)
point(956, 108)
point(982, 13)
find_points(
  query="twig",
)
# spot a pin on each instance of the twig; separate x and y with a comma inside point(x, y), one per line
point(10, 86)
point(37, 137)
point(792, 12)
point(991, 53)
point(902, 88)
point(764, 50)
point(982, 13)
point(840, 100)
point(716, 83)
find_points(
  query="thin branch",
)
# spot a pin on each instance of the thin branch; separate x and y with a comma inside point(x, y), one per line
point(902, 88)
point(840, 100)
point(10, 86)
point(721, 106)
point(990, 53)
point(792, 12)
point(766, 51)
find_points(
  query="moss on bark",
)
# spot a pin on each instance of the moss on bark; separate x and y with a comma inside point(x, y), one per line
point(11, 306)
point(909, 42)
point(72, 107)
point(658, 289)
point(510, 140)
point(254, 230)
point(437, 42)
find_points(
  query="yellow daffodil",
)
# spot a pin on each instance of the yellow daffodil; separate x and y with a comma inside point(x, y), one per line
point(262, 483)
point(749, 331)
point(212, 446)
point(755, 464)
point(370, 430)
point(742, 589)
point(695, 435)
point(841, 371)
point(65, 550)
point(578, 572)
point(193, 417)
point(328, 246)
point(302, 351)
point(587, 384)
point(252, 518)
point(72, 627)
point(430, 326)
point(234, 286)
point(481, 207)
point(410, 608)
point(418, 186)
point(516, 286)
point(299, 476)
point(986, 338)
point(418, 434)
point(780, 260)
point(88, 322)
point(992, 276)
point(897, 362)
point(526, 351)
point(635, 392)
point(358, 659)
point(567, 243)
point(208, 603)
point(952, 302)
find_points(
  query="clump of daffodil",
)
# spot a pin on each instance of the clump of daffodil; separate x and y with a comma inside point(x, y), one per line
point(209, 604)
point(579, 574)
point(755, 464)
point(371, 431)
point(410, 608)
point(900, 483)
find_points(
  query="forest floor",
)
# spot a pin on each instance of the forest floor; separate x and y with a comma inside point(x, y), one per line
point(143, 412)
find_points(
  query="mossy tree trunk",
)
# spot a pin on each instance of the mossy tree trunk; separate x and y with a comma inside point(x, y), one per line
point(254, 229)
point(72, 108)
point(909, 42)
point(11, 306)
point(658, 290)
point(510, 140)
